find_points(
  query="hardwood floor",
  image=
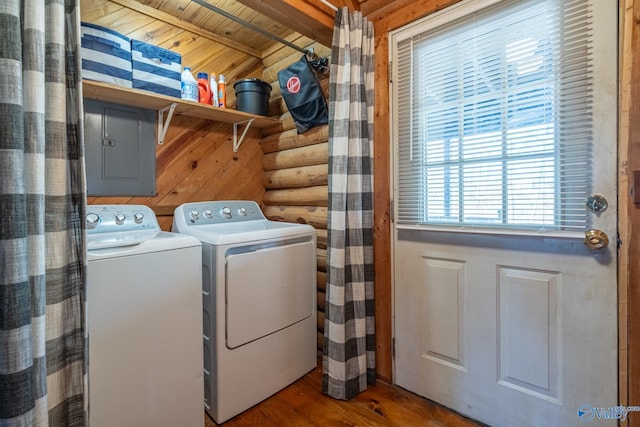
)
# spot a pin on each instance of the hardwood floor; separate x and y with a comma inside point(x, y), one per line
point(302, 404)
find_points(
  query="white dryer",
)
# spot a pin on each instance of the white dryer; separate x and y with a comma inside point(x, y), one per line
point(144, 293)
point(259, 302)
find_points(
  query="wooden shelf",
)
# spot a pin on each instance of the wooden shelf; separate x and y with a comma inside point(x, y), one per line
point(153, 101)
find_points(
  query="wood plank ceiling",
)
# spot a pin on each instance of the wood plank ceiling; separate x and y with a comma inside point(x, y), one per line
point(282, 18)
point(219, 28)
point(195, 18)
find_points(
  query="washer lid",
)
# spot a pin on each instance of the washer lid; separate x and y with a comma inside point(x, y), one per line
point(130, 229)
point(118, 245)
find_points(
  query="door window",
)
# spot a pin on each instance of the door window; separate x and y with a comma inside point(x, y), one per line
point(493, 118)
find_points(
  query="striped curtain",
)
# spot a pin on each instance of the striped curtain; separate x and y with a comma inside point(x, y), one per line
point(349, 341)
point(42, 202)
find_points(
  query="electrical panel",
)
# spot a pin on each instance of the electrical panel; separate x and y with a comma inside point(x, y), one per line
point(120, 149)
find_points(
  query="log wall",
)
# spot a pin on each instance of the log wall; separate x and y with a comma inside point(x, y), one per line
point(296, 169)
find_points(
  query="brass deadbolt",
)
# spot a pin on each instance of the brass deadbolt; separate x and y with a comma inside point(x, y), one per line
point(596, 203)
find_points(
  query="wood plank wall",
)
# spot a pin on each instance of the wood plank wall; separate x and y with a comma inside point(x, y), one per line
point(296, 167)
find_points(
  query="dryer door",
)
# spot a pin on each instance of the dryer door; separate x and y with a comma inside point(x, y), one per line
point(268, 290)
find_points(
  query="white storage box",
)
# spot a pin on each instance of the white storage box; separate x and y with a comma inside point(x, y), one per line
point(156, 69)
point(106, 55)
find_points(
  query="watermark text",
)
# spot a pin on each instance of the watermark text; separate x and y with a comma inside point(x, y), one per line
point(588, 412)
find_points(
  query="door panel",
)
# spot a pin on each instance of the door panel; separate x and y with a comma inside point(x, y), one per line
point(442, 300)
point(528, 325)
point(503, 329)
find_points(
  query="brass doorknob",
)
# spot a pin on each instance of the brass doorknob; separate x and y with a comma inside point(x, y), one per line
point(596, 239)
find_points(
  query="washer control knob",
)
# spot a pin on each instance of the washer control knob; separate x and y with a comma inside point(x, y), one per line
point(138, 218)
point(92, 220)
point(242, 212)
point(120, 219)
point(208, 213)
point(194, 214)
point(226, 212)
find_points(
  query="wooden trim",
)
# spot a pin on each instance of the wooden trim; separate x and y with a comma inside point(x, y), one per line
point(626, 70)
point(382, 213)
point(632, 244)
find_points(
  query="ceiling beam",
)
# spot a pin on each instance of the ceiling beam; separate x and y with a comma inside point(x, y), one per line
point(306, 19)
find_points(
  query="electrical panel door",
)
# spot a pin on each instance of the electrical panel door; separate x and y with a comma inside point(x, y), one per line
point(120, 149)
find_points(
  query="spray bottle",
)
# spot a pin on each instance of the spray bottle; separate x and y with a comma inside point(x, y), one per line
point(222, 92)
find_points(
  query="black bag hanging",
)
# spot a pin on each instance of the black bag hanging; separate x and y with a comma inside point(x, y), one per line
point(303, 95)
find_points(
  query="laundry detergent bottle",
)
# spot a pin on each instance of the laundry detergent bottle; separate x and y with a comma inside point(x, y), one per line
point(188, 85)
point(204, 90)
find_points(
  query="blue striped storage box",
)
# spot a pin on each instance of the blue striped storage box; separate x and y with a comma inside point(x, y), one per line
point(156, 69)
point(106, 55)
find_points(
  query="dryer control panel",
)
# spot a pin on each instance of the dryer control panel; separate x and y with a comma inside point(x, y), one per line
point(218, 212)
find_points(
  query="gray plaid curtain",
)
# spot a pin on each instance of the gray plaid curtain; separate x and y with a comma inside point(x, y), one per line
point(42, 203)
point(349, 341)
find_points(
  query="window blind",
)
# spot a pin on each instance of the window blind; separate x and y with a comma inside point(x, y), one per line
point(494, 113)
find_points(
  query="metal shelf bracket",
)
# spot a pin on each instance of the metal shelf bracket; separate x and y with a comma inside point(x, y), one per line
point(236, 142)
point(163, 124)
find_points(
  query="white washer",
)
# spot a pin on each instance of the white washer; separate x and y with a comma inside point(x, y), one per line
point(145, 322)
point(259, 286)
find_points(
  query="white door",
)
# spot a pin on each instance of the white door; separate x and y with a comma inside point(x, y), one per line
point(510, 326)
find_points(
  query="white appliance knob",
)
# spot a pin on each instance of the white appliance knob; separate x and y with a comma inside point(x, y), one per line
point(120, 219)
point(194, 214)
point(242, 211)
point(138, 218)
point(226, 212)
point(92, 220)
point(208, 213)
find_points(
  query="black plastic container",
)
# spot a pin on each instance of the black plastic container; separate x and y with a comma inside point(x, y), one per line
point(252, 96)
